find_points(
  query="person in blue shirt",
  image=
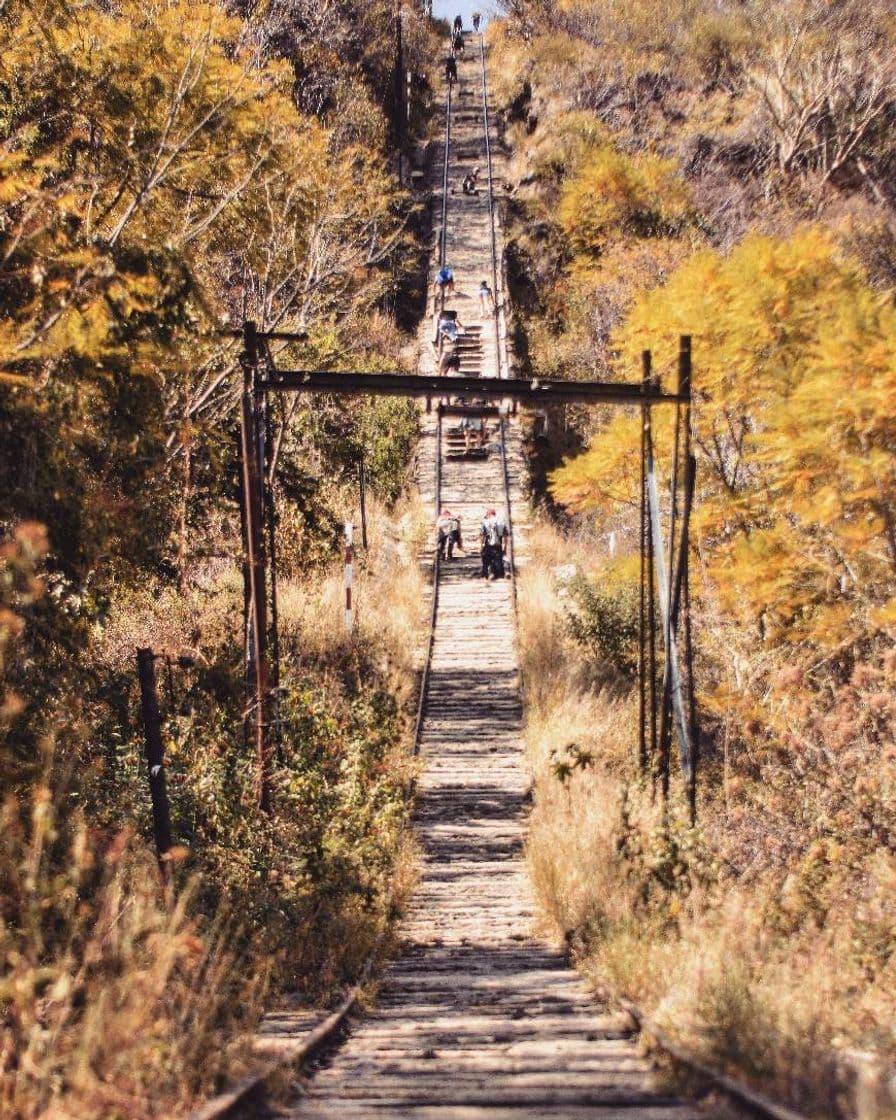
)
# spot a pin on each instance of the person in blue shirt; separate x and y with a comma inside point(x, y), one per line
point(444, 283)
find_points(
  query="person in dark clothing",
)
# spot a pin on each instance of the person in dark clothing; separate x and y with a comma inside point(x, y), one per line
point(458, 24)
point(449, 362)
point(493, 536)
point(458, 43)
point(451, 69)
point(448, 532)
point(476, 18)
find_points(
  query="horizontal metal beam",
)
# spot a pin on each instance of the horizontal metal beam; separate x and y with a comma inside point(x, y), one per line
point(531, 391)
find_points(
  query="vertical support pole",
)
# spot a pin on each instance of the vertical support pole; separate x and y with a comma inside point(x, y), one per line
point(248, 642)
point(652, 381)
point(349, 577)
point(362, 485)
point(155, 760)
point(666, 709)
point(645, 665)
point(398, 92)
point(645, 573)
point(684, 390)
point(253, 520)
point(270, 495)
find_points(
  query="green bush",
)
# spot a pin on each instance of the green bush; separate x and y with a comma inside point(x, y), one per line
point(605, 624)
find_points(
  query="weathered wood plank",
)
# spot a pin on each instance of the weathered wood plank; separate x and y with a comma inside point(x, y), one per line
point(478, 1019)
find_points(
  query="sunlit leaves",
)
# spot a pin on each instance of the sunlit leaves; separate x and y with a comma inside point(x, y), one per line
point(796, 424)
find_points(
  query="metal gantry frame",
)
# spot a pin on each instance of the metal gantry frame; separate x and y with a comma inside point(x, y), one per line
point(666, 683)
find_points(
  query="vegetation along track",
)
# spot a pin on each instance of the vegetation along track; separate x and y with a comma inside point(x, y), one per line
point(478, 1017)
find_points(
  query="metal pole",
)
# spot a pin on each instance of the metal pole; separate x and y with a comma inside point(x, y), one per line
point(253, 494)
point(684, 389)
point(642, 614)
point(398, 91)
point(651, 591)
point(689, 661)
point(248, 643)
point(155, 760)
point(271, 525)
point(666, 708)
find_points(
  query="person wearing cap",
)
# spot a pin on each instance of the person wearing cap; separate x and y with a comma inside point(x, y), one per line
point(448, 534)
point(493, 536)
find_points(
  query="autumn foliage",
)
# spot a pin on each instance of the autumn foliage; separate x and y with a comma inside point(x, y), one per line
point(167, 171)
point(716, 171)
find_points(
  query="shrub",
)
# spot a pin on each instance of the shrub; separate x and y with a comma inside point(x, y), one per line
point(613, 193)
point(606, 624)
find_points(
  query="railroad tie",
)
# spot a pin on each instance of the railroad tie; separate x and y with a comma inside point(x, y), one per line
point(479, 1018)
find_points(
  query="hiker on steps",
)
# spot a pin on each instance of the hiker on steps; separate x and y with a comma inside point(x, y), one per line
point(448, 534)
point(458, 25)
point(486, 301)
point(457, 42)
point(450, 69)
point(493, 535)
point(450, 327)
point(443, 284)
point(475, 433)
point(470, 184)
point(449, 362)
point(476, 18)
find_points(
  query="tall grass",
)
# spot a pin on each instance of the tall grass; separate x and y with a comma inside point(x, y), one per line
point(121, 999)
point(114, 1002)
point(731, 959)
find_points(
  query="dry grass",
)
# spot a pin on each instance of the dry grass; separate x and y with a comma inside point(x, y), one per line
point(388, 596)
point(115, 1004)
point(728, 962)
point(119, 1002)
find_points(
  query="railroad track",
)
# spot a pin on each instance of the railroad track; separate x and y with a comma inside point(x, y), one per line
point(478, 1018)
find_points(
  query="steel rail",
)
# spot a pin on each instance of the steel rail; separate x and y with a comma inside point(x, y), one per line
point(443, 232)
point(491, 204)
point(434, 607)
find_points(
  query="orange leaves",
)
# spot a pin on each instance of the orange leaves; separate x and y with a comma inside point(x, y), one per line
point(612, 192)
point(795, 371)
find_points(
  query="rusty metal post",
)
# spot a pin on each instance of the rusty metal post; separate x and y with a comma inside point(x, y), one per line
point(155, 758)
point(270, 496)
point(683, 589)
point(652, 383)
point(666, 707)
point(642, 615)
point(253, 520)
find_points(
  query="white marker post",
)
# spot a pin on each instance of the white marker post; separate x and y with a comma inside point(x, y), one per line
point(349, 613)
